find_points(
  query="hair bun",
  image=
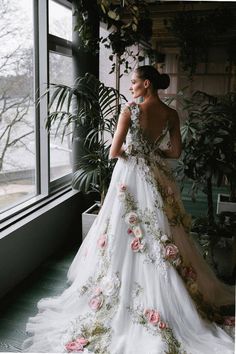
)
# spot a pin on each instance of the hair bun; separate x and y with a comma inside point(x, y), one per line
point(164, 81)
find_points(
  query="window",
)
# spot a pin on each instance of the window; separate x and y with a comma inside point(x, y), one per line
point(17, 118)
point(60, 71)
point(32, 165)
point(60, 24)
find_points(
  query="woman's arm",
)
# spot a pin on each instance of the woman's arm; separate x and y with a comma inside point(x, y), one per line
point(116, 149)
point(175, 148)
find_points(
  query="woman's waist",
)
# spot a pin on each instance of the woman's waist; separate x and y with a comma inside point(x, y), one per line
point(154, 155)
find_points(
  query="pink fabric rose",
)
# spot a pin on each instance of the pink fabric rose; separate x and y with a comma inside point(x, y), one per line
point(229, 321)
point(122, 187)
point(74, 347)
point(152, 316)
point(189, 272)
point(162, 325)
point(131, 104)
point(83, 341)
point(102, 241)
point(136, 245)
point(96, 302)
point(131, 218)
point(97, 291)
point(169, 190)
point(171, 251)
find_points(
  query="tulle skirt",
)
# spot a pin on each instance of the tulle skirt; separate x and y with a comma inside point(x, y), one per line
point(138, 284)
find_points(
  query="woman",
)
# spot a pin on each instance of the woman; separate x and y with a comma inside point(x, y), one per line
point(138, 284)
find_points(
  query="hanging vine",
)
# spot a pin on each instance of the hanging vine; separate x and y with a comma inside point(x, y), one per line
point(129, 23)
point(195, 34)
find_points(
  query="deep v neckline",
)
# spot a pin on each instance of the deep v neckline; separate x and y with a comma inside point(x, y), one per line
point(143, 133)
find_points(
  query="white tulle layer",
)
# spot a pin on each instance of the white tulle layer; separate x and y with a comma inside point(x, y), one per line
point(164, 289)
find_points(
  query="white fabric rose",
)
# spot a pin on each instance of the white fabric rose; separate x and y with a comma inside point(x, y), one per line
point(110, 285)
point(137, 231)
point(121, 196)
point(164, 238)
point(131, 218)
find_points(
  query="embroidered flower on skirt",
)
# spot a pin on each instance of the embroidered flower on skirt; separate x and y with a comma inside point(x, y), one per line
point(137, 231)
point(96, 302)
point(137, 245)
point(110, 285)
point(102, 241)
point(152, 316)
point(188, 272)
point(171, 253)
point(121, 189)
point(131, 218)
point(77, 345)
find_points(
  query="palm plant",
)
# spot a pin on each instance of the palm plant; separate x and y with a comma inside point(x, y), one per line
point(92, 109)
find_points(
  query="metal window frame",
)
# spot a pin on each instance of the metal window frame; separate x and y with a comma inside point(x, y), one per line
point(59, 46)
point(43, 138)
point(43, 44)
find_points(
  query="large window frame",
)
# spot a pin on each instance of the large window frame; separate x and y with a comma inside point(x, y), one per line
point(44, 43)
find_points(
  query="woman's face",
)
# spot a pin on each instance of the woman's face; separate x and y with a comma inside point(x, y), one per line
point(137, 87)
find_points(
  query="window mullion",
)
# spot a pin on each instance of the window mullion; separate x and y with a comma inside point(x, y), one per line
point(43, 106)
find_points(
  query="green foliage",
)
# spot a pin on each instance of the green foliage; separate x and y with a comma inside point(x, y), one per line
point(92, 109)
point(209, 143)
point(129, 23)
point(195, 33)
point(218, 234)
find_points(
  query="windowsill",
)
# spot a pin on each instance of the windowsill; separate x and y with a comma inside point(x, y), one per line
point(41, 205)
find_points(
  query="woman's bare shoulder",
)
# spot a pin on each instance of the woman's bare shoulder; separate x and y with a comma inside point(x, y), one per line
point(173, 116)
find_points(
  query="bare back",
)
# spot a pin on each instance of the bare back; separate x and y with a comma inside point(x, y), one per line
point(154, 117)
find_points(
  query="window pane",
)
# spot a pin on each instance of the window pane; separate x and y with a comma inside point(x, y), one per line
point(60, 151)
point(17, 116)
point(60, 20)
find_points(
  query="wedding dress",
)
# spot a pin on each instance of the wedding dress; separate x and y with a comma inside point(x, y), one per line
point(138, 284)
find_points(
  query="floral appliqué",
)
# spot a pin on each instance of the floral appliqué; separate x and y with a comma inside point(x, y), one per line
point(134, 221)
point(152, 320)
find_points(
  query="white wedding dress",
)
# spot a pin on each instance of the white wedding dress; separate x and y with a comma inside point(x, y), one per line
point(138, 285)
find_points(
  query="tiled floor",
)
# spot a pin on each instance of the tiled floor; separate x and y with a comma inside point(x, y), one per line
point(48, 280)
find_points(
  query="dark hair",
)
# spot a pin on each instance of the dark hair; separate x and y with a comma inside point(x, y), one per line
point(158, 81)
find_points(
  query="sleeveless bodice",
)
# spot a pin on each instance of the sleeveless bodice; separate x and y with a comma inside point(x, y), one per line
point(137, 142)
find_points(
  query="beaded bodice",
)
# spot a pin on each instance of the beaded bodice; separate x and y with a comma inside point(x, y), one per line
point(137, 143)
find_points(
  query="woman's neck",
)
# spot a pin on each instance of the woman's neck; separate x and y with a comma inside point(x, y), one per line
point(151, 97)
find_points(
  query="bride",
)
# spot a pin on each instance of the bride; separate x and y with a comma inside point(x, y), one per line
point(138, 284)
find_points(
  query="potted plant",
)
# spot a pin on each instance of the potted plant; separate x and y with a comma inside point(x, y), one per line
point(209, 138)
point(218, 243)
point(93, 116)
point(209, 154)
point(226, 107)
